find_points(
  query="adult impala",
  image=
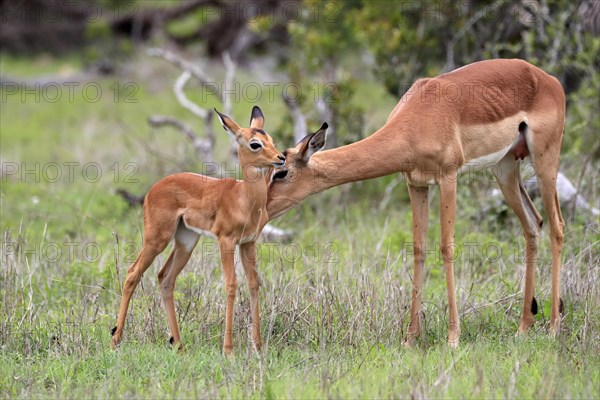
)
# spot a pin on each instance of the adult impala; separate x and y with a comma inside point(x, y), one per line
point(494, 112)
point(184, 206)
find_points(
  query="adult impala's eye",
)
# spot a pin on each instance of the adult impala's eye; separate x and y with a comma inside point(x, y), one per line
point(255, 145)
point(280, 175)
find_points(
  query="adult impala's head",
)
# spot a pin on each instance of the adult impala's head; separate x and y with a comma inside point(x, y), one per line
point(255, 146)
point(293, 183)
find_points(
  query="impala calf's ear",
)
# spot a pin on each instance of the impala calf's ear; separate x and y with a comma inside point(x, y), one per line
point(228, 124)
point(313, 143)
point(257, 119)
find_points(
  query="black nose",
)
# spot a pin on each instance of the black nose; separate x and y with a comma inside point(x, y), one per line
point(281, 157)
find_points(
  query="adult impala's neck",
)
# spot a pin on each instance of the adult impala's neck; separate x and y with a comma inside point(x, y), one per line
point(383, 153)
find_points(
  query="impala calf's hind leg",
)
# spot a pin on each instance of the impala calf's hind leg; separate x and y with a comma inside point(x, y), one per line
point(134, 275)
point(185, 241)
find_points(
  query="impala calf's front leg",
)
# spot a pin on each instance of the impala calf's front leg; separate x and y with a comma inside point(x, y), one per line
point(248, 254)
point(227, 260)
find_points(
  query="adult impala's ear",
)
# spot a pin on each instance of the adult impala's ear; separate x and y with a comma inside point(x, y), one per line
point(312, 143)
point(257, 119)
point(228, 124)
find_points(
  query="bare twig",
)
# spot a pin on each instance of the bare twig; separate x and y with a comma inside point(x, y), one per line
point(586, 162)
point(450, 64)
point(230, 67)
point(185, 65)
point(273, 234)
point(493, 303)
point(132, 199)
point(158, 121)
point(300, 127)
point(182, 98)
point(226, 100)
point(389, 189)
point(202, 146)
point(325, 113)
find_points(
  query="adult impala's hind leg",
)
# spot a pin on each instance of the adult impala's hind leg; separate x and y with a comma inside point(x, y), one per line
point(545, 142)
point(185, 241)
point(509, 178)
point(547, 180)
point(419, 202)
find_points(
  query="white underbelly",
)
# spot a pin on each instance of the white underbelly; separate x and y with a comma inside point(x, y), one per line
point(484, 162)
point(200, 231)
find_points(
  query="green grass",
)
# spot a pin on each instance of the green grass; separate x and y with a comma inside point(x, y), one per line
point(332, 324)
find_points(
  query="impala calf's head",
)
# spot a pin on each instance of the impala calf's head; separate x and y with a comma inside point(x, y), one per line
point(255, 146)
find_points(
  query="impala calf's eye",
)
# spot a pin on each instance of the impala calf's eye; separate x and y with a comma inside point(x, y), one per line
point(255, 145)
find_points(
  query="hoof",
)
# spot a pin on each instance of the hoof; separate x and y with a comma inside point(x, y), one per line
point(177, 345)
point(228, 351)
point(554, 329)
point(524, 327)
point(410, 342)
point(257, 346)
point(453, 343)
point(116, 338)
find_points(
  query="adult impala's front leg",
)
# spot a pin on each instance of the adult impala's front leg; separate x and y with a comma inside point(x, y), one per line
point(447, 214)
point(248, 254)
point(227, 248)
point(419, 201)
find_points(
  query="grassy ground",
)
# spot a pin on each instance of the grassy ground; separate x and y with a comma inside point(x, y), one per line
point(334, 301)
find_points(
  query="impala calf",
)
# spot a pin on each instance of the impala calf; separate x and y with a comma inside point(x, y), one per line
point(186, 205)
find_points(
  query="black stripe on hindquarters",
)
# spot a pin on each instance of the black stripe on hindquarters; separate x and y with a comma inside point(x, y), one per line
point(561, 306)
